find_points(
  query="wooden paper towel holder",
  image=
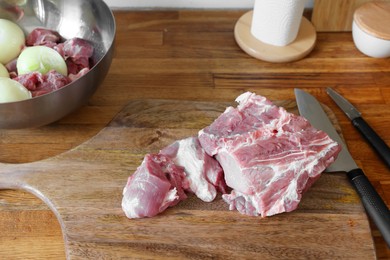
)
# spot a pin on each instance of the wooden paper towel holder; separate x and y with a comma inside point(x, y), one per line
point(299, 48)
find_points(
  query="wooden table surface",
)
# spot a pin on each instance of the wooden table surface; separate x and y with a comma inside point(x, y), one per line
point(192, 55)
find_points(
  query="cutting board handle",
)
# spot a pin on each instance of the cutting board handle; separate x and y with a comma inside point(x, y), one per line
point(11, 176)
point(16, 176)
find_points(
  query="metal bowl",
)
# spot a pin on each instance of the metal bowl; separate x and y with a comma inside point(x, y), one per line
point(88, 19)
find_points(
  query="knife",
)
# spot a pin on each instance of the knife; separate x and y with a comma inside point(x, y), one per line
point(311, 109)
point(355, 116)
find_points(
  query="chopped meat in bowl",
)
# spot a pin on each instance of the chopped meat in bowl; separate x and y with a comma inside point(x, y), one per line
point(83, 21)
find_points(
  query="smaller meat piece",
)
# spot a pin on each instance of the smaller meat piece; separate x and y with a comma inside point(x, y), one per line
point(73, 77)
point(53, 81)
point(43, 37)
point(77, 53)
point(40, 84)
point(11, 67)
point(203, 172)
point(31, 81)
point(156, 185)
point(162, 179)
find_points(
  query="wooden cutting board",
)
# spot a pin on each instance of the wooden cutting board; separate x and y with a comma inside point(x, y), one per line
point(336, 15)
point(84, 186)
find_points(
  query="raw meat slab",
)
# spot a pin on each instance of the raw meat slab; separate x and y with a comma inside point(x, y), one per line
point(84, 187)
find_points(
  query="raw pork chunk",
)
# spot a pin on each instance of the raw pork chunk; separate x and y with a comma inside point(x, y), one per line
point(43, 37)
point(39, 84)
point(163, 178)
point(156, 185)
point(203, 172)
point(270, 157)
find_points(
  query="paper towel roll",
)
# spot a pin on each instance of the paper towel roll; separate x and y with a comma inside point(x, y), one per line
point(277, 22)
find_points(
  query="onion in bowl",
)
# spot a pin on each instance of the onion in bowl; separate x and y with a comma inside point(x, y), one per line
point(12, 41)
point(3, 71)
point(40, 59)
point(11, 91)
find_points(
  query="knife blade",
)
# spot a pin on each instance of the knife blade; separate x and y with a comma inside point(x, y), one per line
point(376, 208)
point(360, 124)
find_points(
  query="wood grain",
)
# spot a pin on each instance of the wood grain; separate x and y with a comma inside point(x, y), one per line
point(83, 187)
point(335, 16)
point(192, 55)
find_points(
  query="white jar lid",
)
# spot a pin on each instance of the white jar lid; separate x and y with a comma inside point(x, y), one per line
point(374, 19)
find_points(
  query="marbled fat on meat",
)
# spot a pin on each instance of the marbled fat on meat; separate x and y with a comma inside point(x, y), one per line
point(270, 157)
point(203, 172)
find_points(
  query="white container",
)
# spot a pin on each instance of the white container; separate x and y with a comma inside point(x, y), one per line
point(370, 45)
point(371, 30)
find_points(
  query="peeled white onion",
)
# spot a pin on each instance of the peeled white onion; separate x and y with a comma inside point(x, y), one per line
point(41, 59)
point(3, 71)
point(11, 90)
point(11, 41)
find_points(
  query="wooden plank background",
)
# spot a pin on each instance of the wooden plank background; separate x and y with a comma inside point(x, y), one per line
point(192, 55)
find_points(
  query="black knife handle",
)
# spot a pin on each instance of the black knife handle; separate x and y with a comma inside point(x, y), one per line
point(373, 138)
point(373, 203)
